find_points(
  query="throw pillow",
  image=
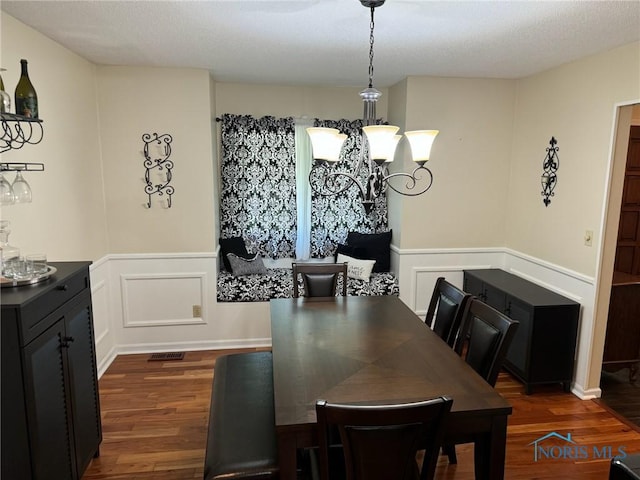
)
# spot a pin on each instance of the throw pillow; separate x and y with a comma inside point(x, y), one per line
point(245, 266)
point(358, 269)
point(354, 252)
point(234, 245)
point(377, 246)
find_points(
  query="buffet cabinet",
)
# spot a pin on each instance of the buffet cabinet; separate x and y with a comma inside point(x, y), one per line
point(543, 347)
point(51, 425)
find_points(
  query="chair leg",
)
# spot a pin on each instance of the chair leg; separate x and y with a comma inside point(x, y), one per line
point(450, 451)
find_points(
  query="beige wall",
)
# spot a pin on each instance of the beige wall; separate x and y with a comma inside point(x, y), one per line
point(297, 102)
point(575, 104)
point(135, 101)
point(397, 115)
point(470, 162)
point(66, 218)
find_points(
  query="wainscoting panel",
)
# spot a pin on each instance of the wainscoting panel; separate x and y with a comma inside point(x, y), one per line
point(102, 314)
point(145, 301)
point(152, 300)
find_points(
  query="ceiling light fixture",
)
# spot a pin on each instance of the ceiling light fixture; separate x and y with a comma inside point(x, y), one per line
point(381, 141)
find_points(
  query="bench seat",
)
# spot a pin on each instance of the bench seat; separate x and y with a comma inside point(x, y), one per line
point(241, 441)
point(278, 283)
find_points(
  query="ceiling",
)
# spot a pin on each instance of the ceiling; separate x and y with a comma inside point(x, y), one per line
point(326, 42)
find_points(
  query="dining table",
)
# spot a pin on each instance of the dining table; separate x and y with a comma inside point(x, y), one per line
point(370, 350)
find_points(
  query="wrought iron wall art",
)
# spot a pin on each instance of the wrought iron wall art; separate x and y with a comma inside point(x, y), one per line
point(550, 166)
point(157, 150)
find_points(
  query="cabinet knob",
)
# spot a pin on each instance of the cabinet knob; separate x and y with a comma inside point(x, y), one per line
point(64, 288)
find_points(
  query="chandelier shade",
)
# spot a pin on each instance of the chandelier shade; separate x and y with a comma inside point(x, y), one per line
point(326, 143)
point(421, 142)
point(378, 147)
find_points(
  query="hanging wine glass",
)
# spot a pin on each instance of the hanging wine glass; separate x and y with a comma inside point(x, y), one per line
point(21, 189)
point(7, 196)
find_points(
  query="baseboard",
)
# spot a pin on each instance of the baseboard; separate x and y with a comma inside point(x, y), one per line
point(193, 346)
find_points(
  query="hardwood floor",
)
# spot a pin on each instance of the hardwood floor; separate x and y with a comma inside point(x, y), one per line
point(154, 417)
point(622, 396)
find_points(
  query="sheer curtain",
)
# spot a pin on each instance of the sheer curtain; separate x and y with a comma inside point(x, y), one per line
point(304, 159)
point(258, 194)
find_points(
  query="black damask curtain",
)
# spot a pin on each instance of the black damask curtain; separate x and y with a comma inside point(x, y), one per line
point(258, 197)
point(332, 217)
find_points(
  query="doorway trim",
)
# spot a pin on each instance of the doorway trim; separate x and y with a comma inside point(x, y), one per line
point(618, 145)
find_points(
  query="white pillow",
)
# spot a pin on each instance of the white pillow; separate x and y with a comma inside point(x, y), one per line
point(358, 269)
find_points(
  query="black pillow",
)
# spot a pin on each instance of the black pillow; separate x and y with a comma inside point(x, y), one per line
point(354, 252)
point(377, 246)
point(232, 245)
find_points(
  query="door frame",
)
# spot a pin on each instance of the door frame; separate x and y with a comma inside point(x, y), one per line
point(614, 182)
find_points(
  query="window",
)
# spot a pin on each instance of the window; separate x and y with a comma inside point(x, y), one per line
point(266, 197)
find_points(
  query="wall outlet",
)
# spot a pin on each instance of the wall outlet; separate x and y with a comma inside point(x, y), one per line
point(588, 238)
point(197, 311)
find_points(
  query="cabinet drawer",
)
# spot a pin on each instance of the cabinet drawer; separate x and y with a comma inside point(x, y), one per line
point(36, 317)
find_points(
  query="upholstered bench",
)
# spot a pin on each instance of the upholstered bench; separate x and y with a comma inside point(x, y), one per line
point(241, 441)
point(278, 283)
point(627, 468)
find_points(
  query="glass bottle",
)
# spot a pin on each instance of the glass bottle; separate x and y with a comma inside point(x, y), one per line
point(5, 99)
point(8, 253)
point(26, 99)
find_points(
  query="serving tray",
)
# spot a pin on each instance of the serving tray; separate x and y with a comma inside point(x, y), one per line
point(10, 282)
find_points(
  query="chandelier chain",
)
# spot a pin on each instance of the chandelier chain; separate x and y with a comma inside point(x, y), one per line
point(371, 39)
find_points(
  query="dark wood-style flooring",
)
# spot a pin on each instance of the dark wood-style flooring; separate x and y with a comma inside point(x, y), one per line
point(620, 395)
point(154, 418)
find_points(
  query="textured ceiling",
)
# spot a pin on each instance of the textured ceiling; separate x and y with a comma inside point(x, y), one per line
point(326, 42)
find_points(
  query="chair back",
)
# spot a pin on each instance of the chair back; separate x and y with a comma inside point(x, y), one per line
point(319, 279)
point(446, 310)
point(490, 335)
point(380, 442)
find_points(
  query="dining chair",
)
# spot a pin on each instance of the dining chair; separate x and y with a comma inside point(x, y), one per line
point(490, 333)
point(319, 279)
point(446, 310)
point(380, 442)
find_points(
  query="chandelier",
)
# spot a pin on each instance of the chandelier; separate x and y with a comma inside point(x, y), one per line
point(378, 148)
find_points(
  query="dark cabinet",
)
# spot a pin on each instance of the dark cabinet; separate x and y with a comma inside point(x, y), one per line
point(50, 402)
point(543, 348)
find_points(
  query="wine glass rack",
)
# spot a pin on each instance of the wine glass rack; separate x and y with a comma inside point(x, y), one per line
point(17, 131)
point(21, 167)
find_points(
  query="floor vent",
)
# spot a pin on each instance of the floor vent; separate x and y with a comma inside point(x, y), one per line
point(166, 356)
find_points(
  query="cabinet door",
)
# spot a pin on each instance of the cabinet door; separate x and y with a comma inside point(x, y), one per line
point(83, 381)
point(473, 285)
point(518, 353)
point(494, 298)
point(48, 406)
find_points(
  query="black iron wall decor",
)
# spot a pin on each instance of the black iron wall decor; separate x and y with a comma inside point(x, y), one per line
point(157, 150)
point(550, 166)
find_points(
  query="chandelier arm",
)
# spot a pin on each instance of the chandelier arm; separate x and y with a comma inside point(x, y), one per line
point(412, 181)
point(327, 175)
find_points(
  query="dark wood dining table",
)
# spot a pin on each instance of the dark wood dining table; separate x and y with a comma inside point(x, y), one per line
point(374, 350)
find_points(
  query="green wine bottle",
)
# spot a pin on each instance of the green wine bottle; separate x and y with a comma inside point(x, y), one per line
point(26, 99)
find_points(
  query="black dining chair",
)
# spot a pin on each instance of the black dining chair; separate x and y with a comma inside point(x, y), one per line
point(490, 333)
point(380, 442)
point(446, 310)
point(319, 279)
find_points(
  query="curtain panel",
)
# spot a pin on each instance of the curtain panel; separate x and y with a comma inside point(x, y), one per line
point(332, 217)
point(258, 194)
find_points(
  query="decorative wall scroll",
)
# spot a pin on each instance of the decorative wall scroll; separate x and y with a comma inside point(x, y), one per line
point(157, 150)
point(550, 166)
